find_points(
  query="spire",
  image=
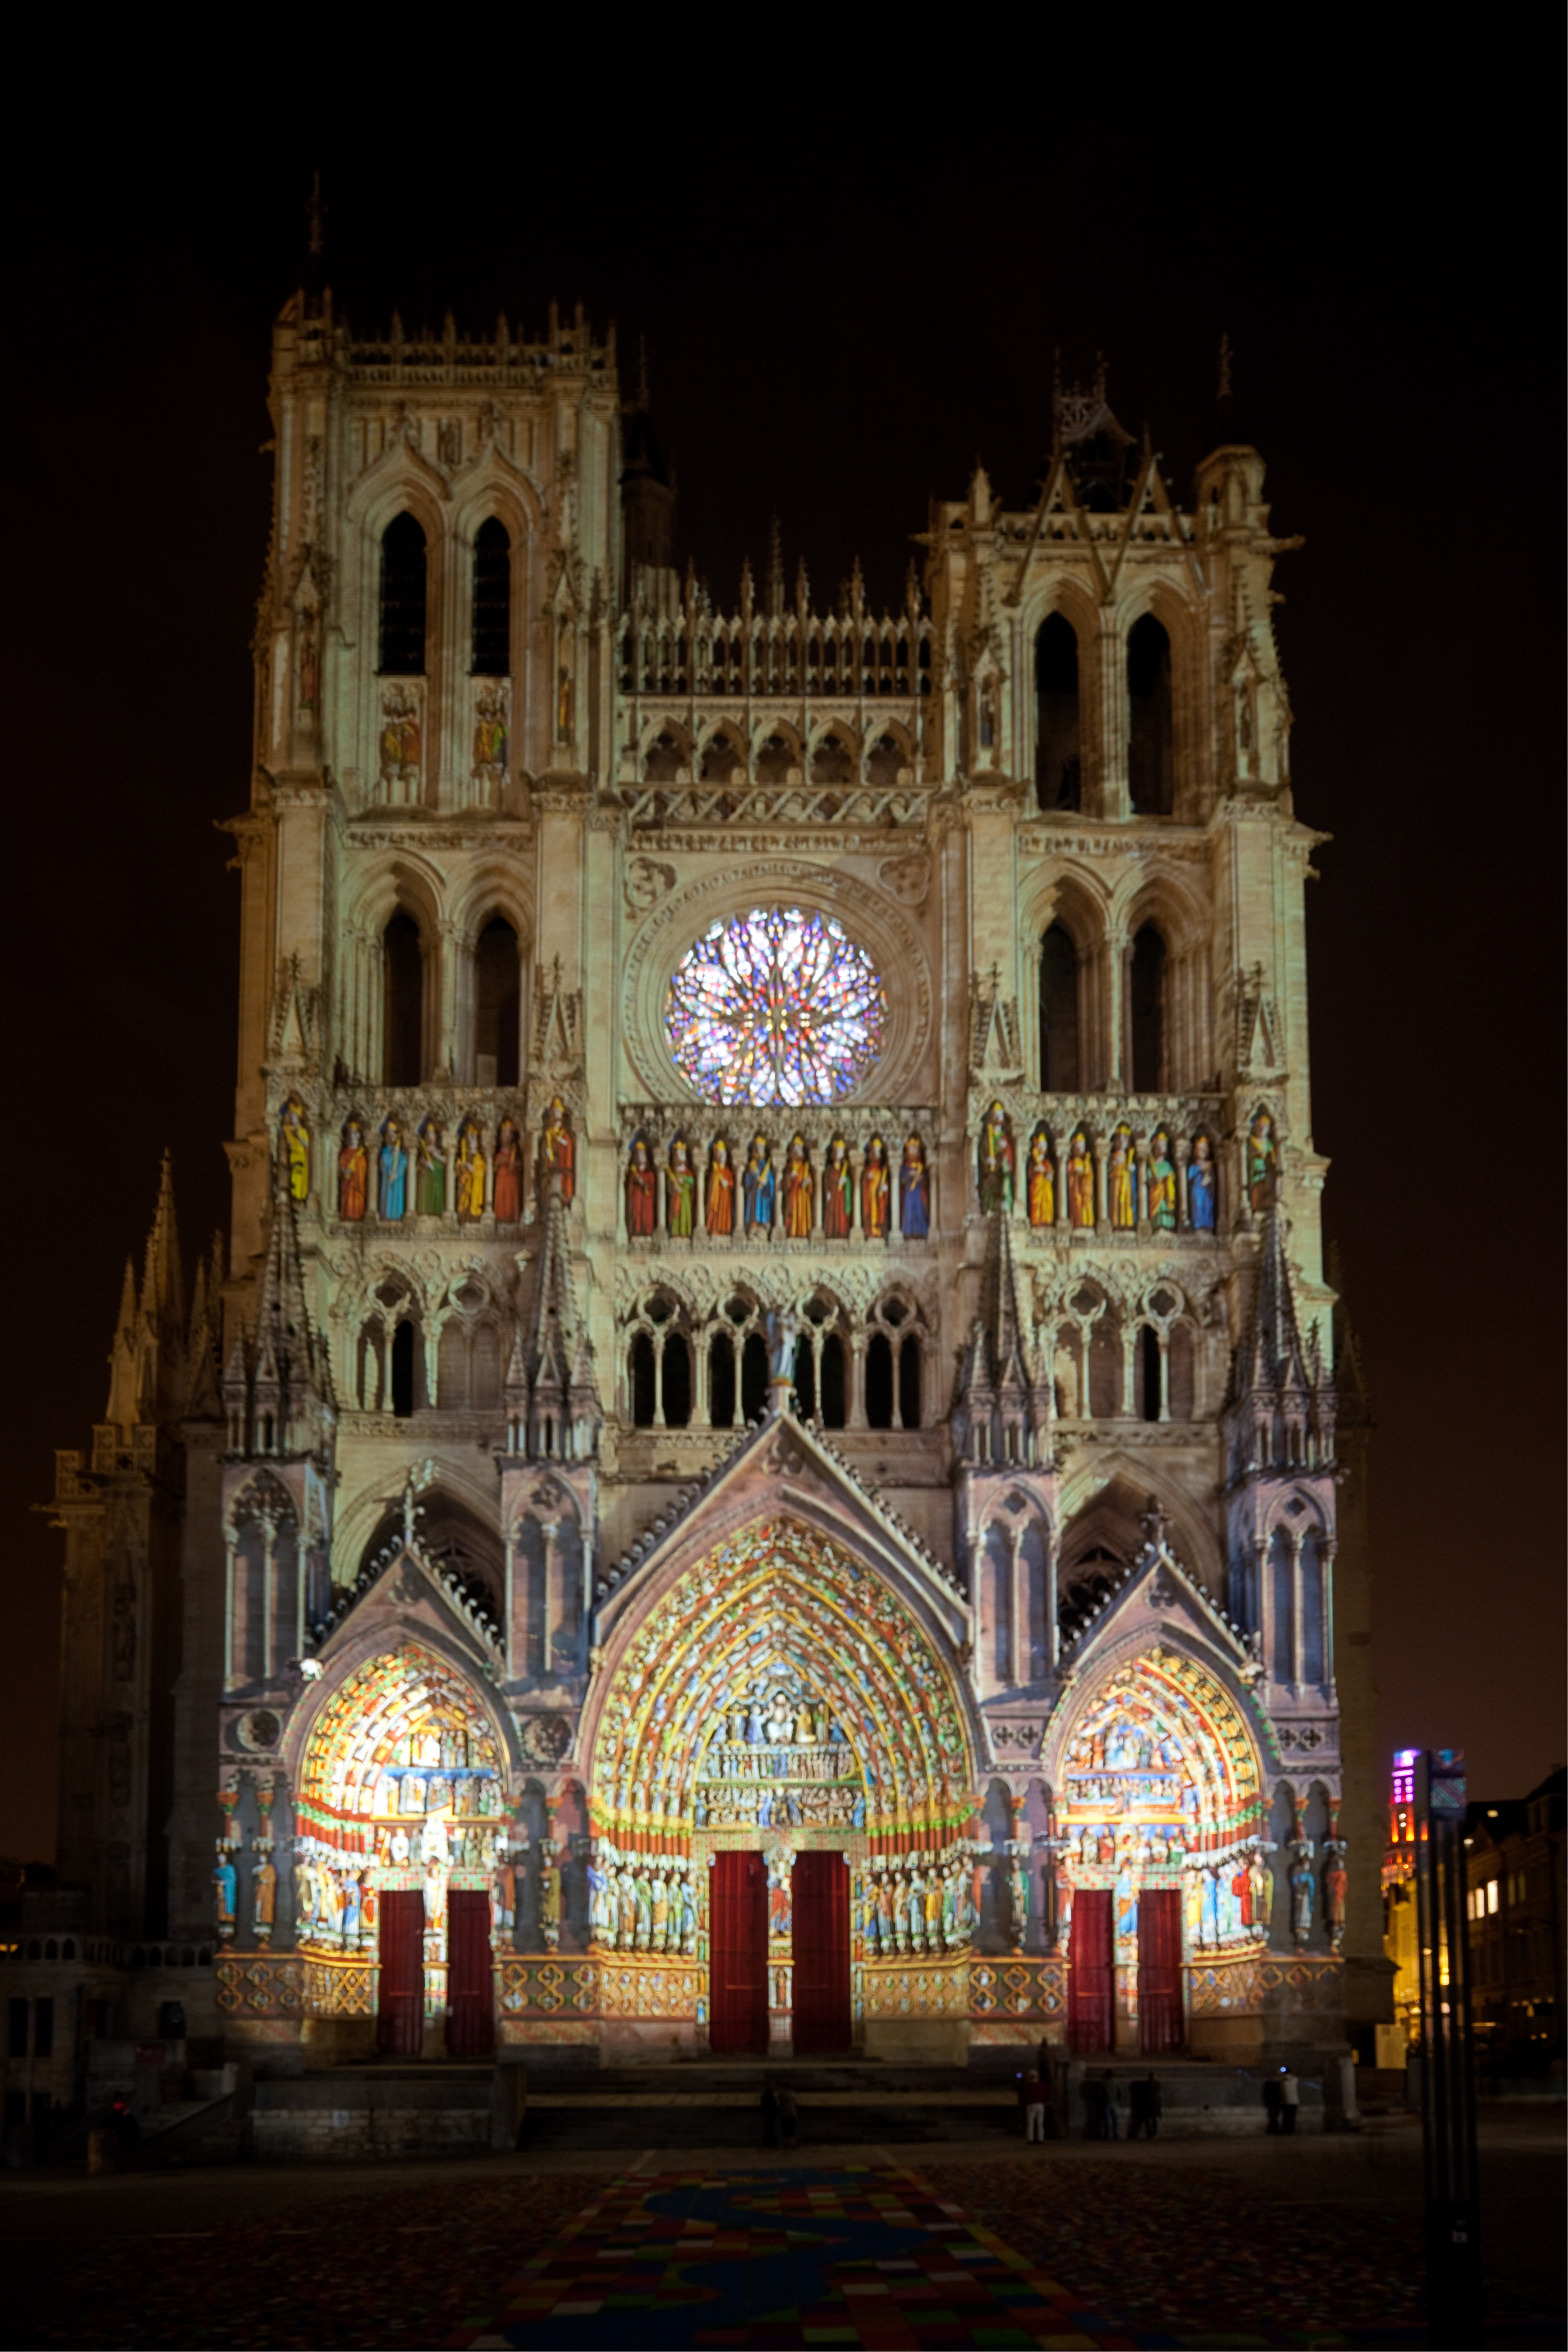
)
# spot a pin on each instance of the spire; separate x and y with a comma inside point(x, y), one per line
point(1272, 1353)
point(201, 1398)
point(122, 1354)
point(291, 1386)
point(163, 1289)
point(1001, 1408)
point(551, 1375)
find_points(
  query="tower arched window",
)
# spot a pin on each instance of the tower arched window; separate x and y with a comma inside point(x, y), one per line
point(403, 1027)
point(403, 571)
point(1146, 1010)
point(1057, 771)
point(406, 1382)
point(496, 1005)
point(753, 1377)
point(910, 1381)
point(722, 1381)
point(492, 600)
point(1149, 770)
point(1146, 1374)
point(805, 1377)
point(676, 1370)
point(832, 1402)
point(879, 1382)
point(642, 1384)
point(1060, 1064)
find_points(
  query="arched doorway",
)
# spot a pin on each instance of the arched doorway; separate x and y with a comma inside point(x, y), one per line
point(1162, 1845)
point(400, 1817)
point(780, 1789)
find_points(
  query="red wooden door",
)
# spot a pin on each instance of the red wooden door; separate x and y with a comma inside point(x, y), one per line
point(1160, 1968)
point(471, 1998)
point(1090, 1979)
point(738, 1941)
point(400, 2021)
point(820, 1898)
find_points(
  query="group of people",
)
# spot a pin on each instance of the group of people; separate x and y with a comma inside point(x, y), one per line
point(1102, 2112)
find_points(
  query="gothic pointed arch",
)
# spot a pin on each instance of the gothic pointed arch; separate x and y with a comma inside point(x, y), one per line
point(1155, 1724)
point(780, 1598)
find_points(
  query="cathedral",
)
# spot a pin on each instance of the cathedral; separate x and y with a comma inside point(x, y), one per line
point(767, 1463)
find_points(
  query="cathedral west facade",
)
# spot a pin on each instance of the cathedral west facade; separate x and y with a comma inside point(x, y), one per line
point(761, 1466)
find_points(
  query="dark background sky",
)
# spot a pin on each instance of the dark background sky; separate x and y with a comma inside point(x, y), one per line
point(849, 289)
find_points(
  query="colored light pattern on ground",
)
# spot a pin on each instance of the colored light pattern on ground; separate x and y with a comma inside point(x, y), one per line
point(1051, 2250)
point(777, 1006)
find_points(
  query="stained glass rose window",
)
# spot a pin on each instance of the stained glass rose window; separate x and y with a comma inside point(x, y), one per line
point(777, 1006)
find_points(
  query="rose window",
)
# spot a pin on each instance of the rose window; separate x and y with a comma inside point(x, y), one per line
point(777, 1006)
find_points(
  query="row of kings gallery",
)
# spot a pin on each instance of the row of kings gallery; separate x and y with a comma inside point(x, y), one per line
point(766, 1462)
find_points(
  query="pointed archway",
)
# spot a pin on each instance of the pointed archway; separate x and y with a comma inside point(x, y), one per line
point(1161, 1847)
point(780, 1700)
point(399, 1825)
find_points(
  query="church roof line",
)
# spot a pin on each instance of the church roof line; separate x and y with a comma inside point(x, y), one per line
point(1156, 1555)
point(750, 1440)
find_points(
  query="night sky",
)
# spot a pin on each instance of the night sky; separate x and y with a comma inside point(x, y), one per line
point(848, 293)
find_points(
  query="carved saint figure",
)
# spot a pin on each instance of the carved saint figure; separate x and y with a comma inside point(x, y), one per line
point(1064, 1907)
point(1080, 1182)
point(875, 1202)
point(394, 1173)
point(680, 1193)
point(263, 1897)
point(1336, 1885)
point(1262, 1879)
point(798, 1192)
point(1018, 1889)
point(721, 1205)
point(642, 1193)
point(470, 1172)
point(1162, 1184)
point(1201, 1186)
point(758, 1185)
point(558, 1151)
point(296, 1149)
point(430, 1181)
point(1042, 1194)
point(224, 1882)
point(508, 1173)
point(1261, 1163)
point(838, 1191)
point(1126, 1901)
point(353, 1173)
point(996, 1161)
point(1122, 1184)
point(1301, 1892)
point(914, 1191)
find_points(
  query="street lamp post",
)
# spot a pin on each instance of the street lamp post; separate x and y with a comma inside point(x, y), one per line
point(1448, 2103)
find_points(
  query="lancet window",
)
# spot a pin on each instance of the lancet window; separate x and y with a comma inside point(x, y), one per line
point(1149, 773)
point(1058, 759)
point(403, 571)
point(492, 655)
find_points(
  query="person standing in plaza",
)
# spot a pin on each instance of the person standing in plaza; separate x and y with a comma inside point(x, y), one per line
point(1289, 2101)
point(1112, 2109)
point(1272, 2102)
point(1034, 2106)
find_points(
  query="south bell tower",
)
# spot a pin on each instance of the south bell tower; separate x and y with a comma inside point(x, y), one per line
point(977, 1339)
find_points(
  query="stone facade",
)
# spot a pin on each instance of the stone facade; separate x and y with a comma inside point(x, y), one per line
point(563, 1477)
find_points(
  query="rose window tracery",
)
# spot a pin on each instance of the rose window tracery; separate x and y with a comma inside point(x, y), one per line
point(779, 1006)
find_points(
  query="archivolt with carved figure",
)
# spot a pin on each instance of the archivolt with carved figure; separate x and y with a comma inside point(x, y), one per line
point(403, 1786)
point(781, 1683)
